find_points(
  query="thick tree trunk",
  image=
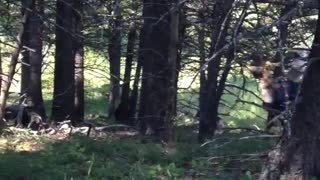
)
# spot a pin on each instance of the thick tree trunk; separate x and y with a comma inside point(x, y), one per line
point(304, 145)
point(34, 91)
point(172, 78)
point(114, 49)
point(78, 113)
point(12, 66)
point(159, 66)
point(123, 111)
point(63, 96)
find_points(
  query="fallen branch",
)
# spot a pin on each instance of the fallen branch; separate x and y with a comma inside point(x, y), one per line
point(240, 139)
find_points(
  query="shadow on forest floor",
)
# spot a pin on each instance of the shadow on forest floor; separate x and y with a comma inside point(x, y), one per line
point(27, 156)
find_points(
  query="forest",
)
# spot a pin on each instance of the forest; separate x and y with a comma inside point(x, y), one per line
point(159, 89)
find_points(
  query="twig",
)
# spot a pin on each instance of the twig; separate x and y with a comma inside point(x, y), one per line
point(240, 139)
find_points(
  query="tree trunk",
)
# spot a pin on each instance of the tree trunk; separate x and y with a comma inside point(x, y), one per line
point(12, 66)
point(1, 72)
point(34, 89)
point(25, 60)
point(304, 145)
point(114, 49)
point(63, 96)
point(134, 94)
point(123, 111)
point(159, 66)
point(78, 114)
point(134, 98)
point(209, 100)
point(182, 33)
point(172, 72)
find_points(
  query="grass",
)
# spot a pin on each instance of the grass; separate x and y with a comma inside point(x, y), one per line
point(80, 157)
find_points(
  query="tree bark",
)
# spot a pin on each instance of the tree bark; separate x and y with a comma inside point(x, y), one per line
point(63, 96)
point(303, 159)
point(209, 100)
point(78, 113)
point(182, 33)
point(1, 72)
point(34, 89)
point(134, 94)
point(159, 68)
point(25, 60)
point(123, 111)
point(114, 50)
point(172, 78)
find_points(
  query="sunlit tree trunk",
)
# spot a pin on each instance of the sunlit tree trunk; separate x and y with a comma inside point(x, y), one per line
point(114, 50)
point(134, 94)
point(78, 114)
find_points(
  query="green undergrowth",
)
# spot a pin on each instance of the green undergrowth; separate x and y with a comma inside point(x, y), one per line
point(80, 157)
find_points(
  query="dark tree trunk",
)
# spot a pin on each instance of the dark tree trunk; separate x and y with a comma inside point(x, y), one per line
point(298, 157)
point(123, 111)
point(12, 66)
point(159, 68)
point(202, 52)
point(172, 74)
point(78, 114)
point(182, 33)
point(63, 96)
point(304, 145)
point(209, 100)
point(114, 49)
point(134, 98)
point(34, 88)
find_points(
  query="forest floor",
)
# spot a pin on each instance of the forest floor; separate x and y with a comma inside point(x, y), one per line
point(123, 154)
